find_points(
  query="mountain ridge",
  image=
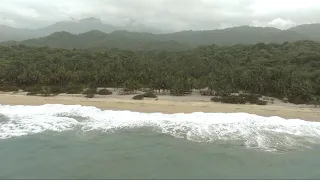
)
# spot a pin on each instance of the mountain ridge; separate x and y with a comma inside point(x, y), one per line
point(8, 33)
point(311, 29)
point(125, 39)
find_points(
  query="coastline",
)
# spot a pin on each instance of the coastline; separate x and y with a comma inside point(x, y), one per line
point(166, 104)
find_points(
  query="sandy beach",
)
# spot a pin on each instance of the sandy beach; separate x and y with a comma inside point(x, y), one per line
point(166, 104)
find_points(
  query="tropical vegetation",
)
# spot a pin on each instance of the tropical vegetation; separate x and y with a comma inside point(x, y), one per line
point(287, 70)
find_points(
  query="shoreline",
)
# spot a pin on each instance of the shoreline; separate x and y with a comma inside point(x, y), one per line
point(167, 105)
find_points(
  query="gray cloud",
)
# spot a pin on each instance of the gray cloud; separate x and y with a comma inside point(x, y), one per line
point(163, 14)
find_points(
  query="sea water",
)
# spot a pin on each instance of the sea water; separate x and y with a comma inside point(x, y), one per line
point(60, 141)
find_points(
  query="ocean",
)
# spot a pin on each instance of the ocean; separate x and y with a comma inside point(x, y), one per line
point(60, 142)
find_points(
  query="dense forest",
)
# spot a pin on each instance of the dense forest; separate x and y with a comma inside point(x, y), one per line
point(287, 70)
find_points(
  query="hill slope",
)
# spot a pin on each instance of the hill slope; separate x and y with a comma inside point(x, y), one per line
point(99, 40)
point(73, 27)
point(10, 33)
point(236, 35)
point(174, 41)
point(312, 30)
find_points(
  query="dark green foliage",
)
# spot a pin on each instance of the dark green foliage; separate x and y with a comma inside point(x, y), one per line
point(104, 92)
point(278, 70)
point(180, 86)
point(74, 89)
point(261, 102)
point(8, 88)
point(45, 91)
point(131, 85)
point(251, 98)
point(34, 89)
point(229, 99)
point(138, 97)
point(57, 89)
point(222, 94)
point(145, 95)
point(240, 99)
point(150, 94)
point(301, 99)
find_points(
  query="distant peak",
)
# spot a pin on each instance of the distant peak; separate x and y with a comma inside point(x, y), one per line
point(93, 32)
point(91, 20)
point(121, 31)
point(307, 25)
point(60, 33)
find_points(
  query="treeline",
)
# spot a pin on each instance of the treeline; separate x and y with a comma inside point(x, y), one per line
point(288, 70)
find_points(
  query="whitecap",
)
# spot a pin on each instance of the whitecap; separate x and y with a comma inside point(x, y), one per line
point(269, 133)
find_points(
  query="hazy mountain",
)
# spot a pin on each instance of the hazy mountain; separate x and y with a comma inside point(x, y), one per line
point(10, 33)
point(96, 39)
point(229, 36)
point(174, 41)
point(77, 27)
point(139, 27)
point(74, 27)
point(312, 30)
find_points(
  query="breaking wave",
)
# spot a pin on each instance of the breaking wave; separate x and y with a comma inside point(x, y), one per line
point(268, 133)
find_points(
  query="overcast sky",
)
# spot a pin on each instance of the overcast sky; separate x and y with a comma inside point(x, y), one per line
point(164, 14)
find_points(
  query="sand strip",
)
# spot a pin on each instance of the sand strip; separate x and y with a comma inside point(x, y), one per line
point(165, 105)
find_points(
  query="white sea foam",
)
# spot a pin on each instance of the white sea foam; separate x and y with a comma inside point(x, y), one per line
point(254, 131)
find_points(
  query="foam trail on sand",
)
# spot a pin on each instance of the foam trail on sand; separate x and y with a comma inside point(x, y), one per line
point(269, 133)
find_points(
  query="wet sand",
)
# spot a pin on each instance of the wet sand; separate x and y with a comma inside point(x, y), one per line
point(166, 104)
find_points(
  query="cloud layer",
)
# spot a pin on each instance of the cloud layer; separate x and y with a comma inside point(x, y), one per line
point(163, 14)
